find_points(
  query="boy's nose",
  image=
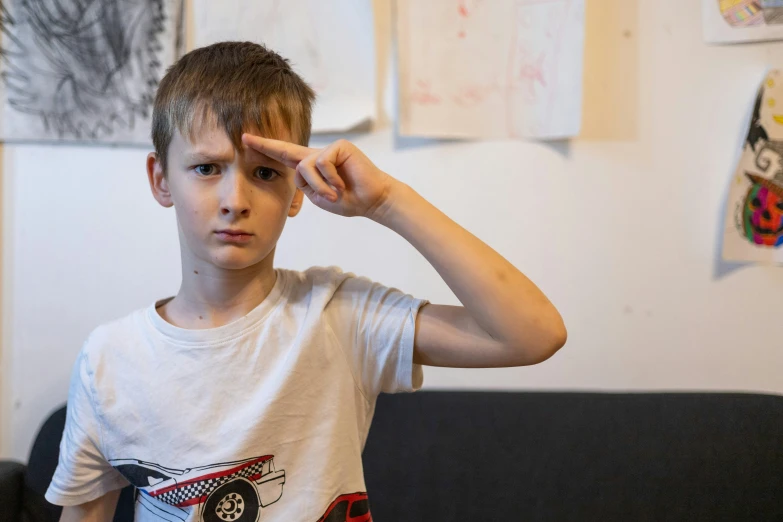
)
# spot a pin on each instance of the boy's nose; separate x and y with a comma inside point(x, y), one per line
point(235, 198)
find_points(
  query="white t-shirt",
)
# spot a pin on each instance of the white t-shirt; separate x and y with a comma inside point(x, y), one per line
point(264, 418)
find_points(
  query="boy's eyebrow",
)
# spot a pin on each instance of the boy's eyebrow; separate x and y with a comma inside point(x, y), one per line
point(205, 156)
point(208, 156)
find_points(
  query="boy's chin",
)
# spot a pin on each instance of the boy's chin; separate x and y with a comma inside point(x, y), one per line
point(235, 260)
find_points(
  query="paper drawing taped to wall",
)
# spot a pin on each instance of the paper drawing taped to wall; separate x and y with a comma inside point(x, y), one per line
point(331, 44)
point(754, 213)
point(773, 11)
point(727, 21)
point(741, 13)
point(84, 70)
point(484, 69)
point(747, 13)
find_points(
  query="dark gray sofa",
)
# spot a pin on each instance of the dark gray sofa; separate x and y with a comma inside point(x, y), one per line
point(528, 456)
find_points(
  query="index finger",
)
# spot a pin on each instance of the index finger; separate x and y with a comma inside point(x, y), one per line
point(289, 154)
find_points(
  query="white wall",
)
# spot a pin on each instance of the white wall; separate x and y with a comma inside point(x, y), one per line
point(621, 233)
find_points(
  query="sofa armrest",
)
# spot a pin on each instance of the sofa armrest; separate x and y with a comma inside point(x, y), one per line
point(11, 490)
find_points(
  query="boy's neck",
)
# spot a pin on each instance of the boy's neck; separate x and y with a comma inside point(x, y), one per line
point(211, 297)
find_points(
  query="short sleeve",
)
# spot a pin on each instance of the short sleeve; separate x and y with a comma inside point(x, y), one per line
point(82, 473)
point(376, 325)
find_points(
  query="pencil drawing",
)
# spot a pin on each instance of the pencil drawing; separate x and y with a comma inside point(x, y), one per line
point(84, 69)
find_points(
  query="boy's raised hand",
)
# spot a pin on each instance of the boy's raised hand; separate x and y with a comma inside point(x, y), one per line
point(361, 187)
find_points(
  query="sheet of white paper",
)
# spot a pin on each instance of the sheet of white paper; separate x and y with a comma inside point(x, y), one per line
point(330, 44)
point(76, 72)
point(489, 69)
point(753, 230)
point(733, 21)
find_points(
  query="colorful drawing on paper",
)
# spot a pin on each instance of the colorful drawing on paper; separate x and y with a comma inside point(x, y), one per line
point(762, 211)
point(728, 21)
point(481, 69)
point(754, 212)
point(741, 13)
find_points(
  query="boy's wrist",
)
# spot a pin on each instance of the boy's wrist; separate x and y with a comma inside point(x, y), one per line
point(393, 203)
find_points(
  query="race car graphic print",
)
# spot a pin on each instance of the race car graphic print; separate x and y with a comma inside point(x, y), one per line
point(350, 507)
point(227, 492)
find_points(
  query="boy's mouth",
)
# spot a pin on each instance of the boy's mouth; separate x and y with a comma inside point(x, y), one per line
point(234, 235)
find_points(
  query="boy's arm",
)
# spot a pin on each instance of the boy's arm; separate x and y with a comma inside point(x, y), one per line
point(506, 320)
point(99, 510)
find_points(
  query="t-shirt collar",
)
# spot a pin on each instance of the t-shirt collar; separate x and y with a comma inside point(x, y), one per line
point(227, 332)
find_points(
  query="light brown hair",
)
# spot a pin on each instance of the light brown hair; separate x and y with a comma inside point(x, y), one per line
point(241, 86)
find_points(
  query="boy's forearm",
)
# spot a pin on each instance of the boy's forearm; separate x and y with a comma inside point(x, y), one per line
point(99, 510)
point(499, 297)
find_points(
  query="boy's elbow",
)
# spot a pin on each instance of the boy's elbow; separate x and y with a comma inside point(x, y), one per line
point(553, 336)
point(559, 337)
point(554, 342)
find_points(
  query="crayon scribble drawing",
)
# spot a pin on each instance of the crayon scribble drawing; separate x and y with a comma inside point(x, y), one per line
point(728, 21)
point(490, 68)
point(747, 13)
point(331, 44)
point(741, 13)
point(84, 71)
point(754, 209)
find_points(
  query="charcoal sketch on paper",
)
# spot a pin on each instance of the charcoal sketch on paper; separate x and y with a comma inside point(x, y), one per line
point(84, 70)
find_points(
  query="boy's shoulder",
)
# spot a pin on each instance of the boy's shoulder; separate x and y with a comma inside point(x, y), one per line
point(326, 281)
point(319, 271)
point(331, 274)
point(115, 332)
point(317, 277)
point(318, 274)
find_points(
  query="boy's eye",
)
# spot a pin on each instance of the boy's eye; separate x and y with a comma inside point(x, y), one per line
point(266, 174)
point(205, 170)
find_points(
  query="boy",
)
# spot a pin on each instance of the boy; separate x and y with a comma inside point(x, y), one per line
point(248, 395)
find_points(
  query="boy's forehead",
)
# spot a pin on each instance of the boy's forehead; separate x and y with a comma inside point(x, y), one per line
point(206, 133)
point(203, 141)
point(209, 129)
point(210, 142)
point(203, 132)
point(204, 121)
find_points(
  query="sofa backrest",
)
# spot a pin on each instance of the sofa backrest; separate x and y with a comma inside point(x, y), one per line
point(536, 456)
point(576, 457)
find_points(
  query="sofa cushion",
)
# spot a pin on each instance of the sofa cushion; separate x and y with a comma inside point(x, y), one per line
point(11, 485)
point(435, 455)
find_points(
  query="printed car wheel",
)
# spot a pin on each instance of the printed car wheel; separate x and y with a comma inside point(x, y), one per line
point(236, 501)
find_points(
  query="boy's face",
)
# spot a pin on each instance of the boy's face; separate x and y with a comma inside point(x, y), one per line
point(231, 205)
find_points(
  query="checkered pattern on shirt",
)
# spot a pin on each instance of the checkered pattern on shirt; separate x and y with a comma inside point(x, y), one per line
point(200, 489)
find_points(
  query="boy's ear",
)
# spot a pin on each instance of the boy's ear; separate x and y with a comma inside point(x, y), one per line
point(158, 182)
point(296, 204)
